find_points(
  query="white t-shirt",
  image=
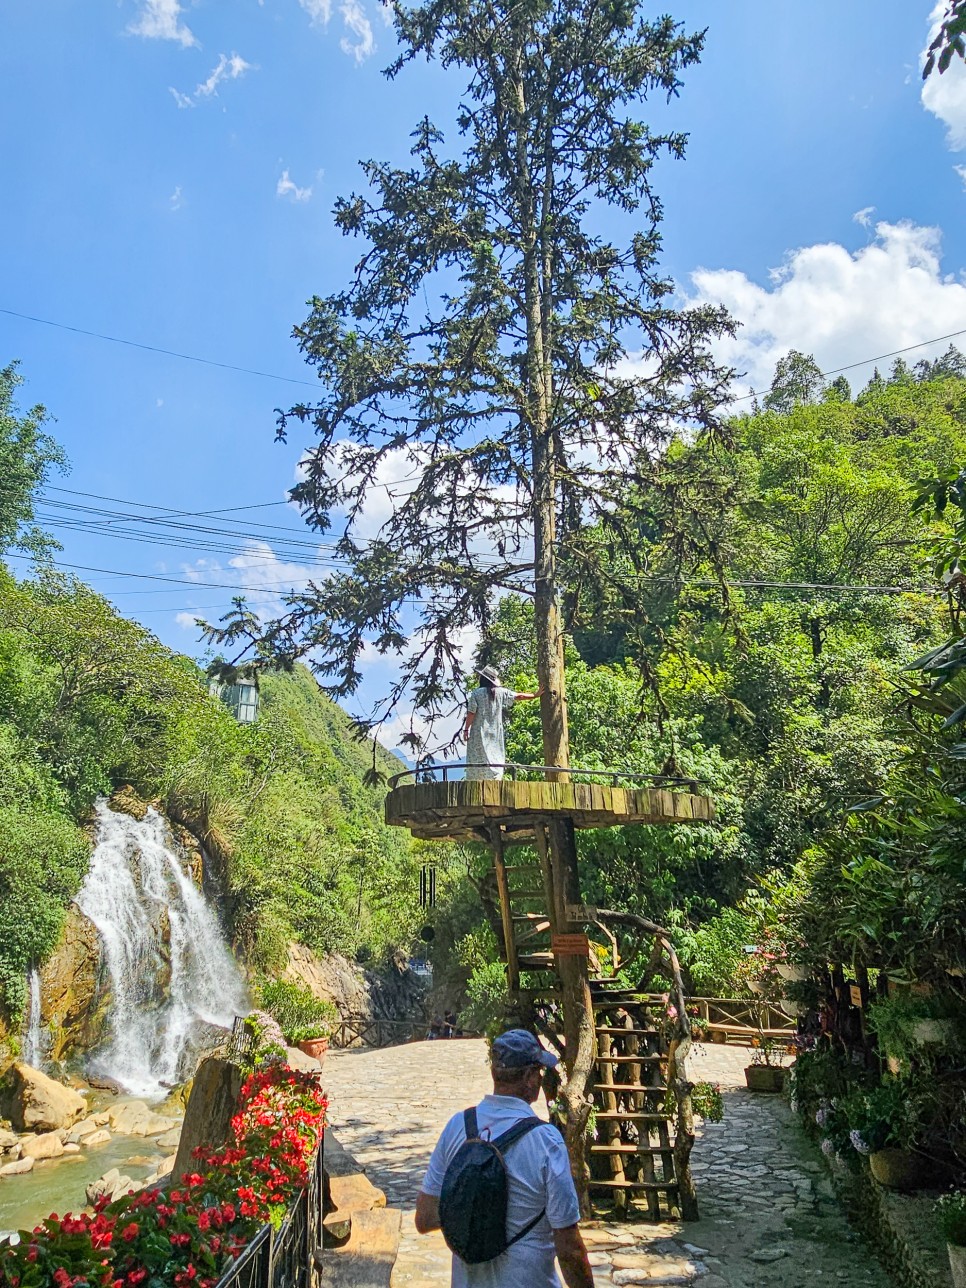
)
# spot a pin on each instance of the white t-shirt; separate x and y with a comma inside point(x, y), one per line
point(539, 1179)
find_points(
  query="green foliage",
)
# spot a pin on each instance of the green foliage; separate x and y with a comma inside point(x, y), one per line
point(90, 700)
point(950, 40)
point(485, 1007)
point(951, 1211)
point(27, 457)
point(715, 956)
point(707, 1101)
point(298, 1011)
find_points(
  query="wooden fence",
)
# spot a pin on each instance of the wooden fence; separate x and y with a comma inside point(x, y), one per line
point(735, 1019)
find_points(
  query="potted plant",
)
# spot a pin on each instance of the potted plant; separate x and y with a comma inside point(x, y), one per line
point(707, 1101)
point(765, 1073)
point(951, 1210)
point(882, 1127)
point(311, 1039)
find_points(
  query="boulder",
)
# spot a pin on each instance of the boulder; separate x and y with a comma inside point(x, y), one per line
point(101, 1119)
point(18, 1168)
point(112, 1184)
point(47, 1145)
point(135, 1118)
point(170, 1139)
point(99, 1137)
point(215, 1094)
point(8, 1140)
point(72, 1148)
point(86, 1127)
point(163, 1169)
point(35, 1102)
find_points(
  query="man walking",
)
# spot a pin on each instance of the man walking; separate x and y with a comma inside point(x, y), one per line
point(541, 1193)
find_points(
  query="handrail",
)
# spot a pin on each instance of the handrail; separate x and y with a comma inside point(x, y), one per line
point(512, 770)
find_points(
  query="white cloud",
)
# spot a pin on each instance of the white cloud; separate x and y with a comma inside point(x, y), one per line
point(265, 577)
point(864, 216)
point(161, 20)
point(187, 620)
point(286, 187)
point(839, 305)
point(961, 171)
point(355, 19)
point(228, 68)
point(320, 11)
point(176, 201)
point(945, 94)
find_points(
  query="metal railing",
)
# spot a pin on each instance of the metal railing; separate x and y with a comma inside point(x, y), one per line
point(425, 773)
point(285, 1258)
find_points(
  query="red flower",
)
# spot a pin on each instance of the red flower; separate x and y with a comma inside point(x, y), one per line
point(130, 1232)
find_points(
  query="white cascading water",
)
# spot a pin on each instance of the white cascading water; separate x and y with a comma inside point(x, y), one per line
point(171, 973)
point(32, 1052)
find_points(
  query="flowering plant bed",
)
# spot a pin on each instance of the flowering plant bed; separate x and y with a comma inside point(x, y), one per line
point(187, 1237)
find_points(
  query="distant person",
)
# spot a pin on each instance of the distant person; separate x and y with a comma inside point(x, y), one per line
point(435, 1027)
point(449, 1025)
point(542, 1210)
point(483, 726)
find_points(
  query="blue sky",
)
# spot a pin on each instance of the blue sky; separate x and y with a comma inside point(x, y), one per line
point(170, 170)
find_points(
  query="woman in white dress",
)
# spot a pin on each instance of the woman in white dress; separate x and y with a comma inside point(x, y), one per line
point(483, 726)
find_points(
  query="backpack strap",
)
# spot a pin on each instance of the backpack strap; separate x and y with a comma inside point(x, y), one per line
point(502, 1144)
point(470, 1126)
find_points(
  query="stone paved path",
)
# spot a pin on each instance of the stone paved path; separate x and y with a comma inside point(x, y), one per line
point(768, 1216)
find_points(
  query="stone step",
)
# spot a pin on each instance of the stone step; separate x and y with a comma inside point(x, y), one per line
point(632, 1116)
point(366, 1259)
point(623, 1148)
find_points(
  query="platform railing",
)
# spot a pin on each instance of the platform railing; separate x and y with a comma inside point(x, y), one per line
point(284, 1258)
point(445, 771)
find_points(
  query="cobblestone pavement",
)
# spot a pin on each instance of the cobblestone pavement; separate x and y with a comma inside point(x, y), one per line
point(768, 1215)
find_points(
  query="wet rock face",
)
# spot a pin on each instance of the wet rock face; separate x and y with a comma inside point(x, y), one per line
point(34, 1102)
point(69, 987)
point(396, 994)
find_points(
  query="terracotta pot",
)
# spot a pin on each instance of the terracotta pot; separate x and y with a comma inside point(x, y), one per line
point(791, 972)
point(897, 1169)
point(957, 1264)
point(315, 1048)
point(764, 1077)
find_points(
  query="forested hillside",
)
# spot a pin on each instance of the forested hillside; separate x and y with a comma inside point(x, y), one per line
point(773, 669)
point(89, 701)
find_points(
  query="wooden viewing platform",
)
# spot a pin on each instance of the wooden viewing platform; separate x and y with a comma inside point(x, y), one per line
point(457, 809)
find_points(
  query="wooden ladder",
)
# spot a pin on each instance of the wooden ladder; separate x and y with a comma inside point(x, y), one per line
point(637, 1163)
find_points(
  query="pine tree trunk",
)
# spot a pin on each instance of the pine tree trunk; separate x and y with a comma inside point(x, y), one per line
point(573, 973)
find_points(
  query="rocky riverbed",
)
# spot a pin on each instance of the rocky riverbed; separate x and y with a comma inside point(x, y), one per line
point(61, 1148)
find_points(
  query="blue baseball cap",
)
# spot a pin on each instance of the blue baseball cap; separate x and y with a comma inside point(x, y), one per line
point(518, 1048)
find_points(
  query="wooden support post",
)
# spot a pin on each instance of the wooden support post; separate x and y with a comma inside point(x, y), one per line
point(506, 911)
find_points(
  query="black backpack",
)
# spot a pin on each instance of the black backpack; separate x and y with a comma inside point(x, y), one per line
point(473, 1199)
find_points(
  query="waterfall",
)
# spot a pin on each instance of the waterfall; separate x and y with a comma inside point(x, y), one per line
point(32, 1053)
point(171, 973)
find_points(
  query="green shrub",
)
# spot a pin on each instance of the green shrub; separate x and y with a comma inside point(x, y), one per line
point(951, 1210)
point(486, 998)
point(297, 1010)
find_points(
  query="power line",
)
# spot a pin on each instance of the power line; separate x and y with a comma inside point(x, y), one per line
point(851, 366)
point(153, 348)
point(269, 375)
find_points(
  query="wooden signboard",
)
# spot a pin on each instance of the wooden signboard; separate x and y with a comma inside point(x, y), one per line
point(580, 912)
point(570, 945)
point(855, 995)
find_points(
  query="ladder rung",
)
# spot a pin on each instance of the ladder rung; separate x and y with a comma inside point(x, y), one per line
point(632, 1116)
point(530, 916)
point(532, 868)
point(624, 1033)
point(631, 1059)
point(628, 1087)
point(632, 1185)
point(631, 1149)
point(538, 961)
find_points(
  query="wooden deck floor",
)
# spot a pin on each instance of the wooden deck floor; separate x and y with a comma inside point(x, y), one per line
point(458, 810)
